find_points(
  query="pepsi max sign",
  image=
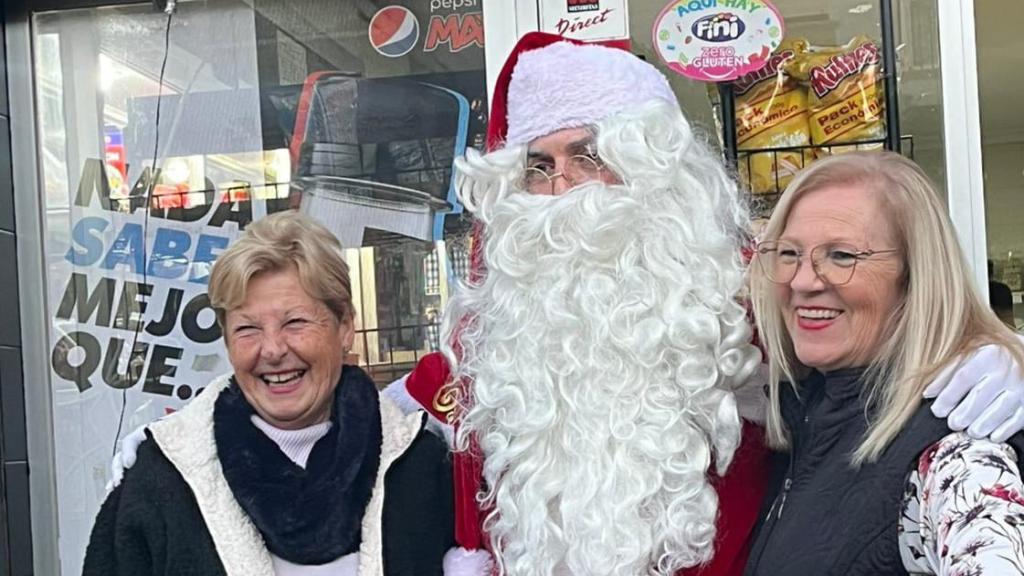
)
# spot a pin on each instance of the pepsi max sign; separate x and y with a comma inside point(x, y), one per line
point(394, 31)
point(717, 40)
point(721, 27)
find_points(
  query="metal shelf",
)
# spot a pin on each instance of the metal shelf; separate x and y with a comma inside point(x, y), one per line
point(762, 203)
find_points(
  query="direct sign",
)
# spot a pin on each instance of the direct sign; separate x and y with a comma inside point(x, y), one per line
point(587, 20)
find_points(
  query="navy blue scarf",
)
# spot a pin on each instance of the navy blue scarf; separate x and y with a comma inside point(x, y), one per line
point(311, 516)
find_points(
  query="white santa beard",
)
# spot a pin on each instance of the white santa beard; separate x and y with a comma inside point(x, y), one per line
point(596, 349)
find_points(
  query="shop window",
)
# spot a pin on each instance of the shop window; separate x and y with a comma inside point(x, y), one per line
point(997, 30)
point(350, 111)
point(771, 145)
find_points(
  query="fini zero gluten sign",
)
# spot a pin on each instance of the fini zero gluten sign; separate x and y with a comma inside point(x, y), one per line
point(717, 40)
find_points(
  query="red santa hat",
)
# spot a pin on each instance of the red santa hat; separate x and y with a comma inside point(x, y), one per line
point(550, 83)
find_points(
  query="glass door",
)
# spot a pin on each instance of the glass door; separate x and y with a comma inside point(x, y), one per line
point(1000, 86)
point(161, 138)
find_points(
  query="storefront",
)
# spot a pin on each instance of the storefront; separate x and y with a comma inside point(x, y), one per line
point(229, 110)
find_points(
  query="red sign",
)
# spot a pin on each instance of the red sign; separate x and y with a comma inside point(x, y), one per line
point(455, 30)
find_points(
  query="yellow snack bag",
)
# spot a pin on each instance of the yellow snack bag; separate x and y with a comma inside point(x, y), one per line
point(771, 112)
point(844, 91)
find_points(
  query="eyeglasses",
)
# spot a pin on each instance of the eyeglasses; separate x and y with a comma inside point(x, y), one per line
point(833, 263)
point(540, 179)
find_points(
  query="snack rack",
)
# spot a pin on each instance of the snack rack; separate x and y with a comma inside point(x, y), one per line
point(740, 159)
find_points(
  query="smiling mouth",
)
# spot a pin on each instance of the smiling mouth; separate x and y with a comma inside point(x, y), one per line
point(817, 313)
point(282, 378)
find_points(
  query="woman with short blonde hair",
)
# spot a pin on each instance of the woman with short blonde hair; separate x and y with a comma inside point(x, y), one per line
point(293, 465)
point(275, 243)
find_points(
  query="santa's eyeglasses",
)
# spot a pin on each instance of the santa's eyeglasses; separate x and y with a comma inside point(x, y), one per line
point(540, 178)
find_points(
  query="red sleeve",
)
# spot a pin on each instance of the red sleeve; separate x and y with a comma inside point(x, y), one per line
point(740, 493)
point(428, 385)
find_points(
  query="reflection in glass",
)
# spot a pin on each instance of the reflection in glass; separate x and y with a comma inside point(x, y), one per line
point(130, 241)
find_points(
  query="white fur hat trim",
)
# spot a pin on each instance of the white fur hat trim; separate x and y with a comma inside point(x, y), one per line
point(462, 562)
point(566, 85)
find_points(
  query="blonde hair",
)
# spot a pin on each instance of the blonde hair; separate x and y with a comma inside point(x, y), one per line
point(274, 243)
point(940, 316)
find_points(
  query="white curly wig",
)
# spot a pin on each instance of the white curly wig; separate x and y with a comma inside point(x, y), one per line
point(602, 344)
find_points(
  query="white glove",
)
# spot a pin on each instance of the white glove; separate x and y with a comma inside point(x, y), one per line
point(125, 457)
point(984, 394)
point(463, 562)
point(751, 398)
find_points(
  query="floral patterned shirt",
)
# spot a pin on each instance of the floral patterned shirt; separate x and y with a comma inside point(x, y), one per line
point(963, 510)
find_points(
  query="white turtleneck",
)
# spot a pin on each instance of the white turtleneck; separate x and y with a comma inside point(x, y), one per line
point(297, 445)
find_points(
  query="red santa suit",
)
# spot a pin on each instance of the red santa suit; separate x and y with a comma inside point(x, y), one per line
point(740, 491)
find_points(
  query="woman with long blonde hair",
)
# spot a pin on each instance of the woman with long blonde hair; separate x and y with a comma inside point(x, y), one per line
point(862, 296)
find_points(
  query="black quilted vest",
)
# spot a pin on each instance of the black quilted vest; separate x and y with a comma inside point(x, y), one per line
point(822, 516)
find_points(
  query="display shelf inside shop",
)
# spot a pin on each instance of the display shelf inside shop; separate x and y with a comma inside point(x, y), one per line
point(724, 107)
point(762, 202)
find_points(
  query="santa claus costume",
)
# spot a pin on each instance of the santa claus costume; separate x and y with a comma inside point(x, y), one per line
point(597, 345)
